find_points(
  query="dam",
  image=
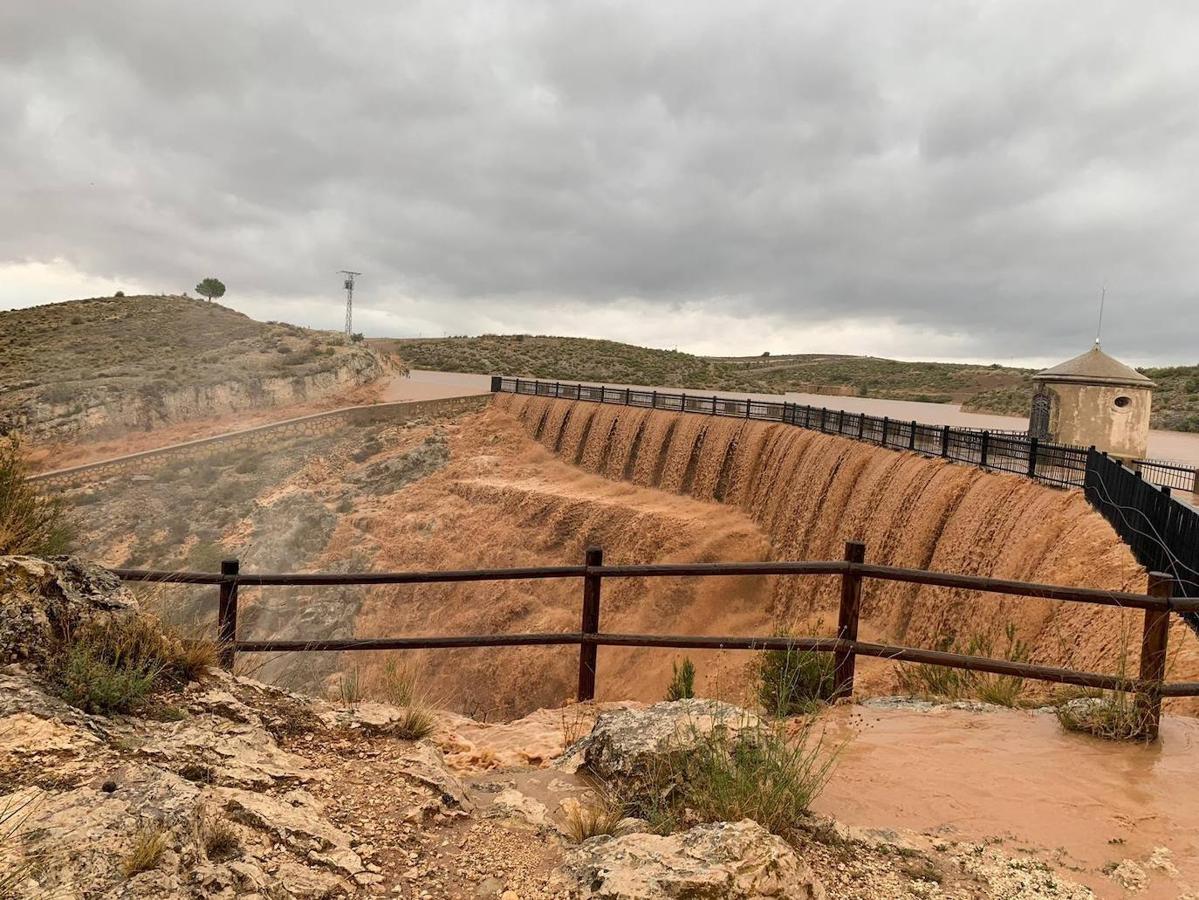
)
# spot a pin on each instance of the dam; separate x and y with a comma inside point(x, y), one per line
point(809, 492)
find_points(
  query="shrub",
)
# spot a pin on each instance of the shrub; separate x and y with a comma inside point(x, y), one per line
point(756, 772)
point(95, 685)
point(148, 846)
point(119, 294)
point(1111, 715)
point(957, 684)
point(794, 682)
point(682, 682)
point(30, 523)
point(111, 666)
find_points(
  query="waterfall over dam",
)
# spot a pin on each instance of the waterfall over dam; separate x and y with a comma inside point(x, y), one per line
point(810, 492)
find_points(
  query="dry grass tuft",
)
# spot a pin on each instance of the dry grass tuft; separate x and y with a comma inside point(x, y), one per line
point(14, 811)
point(603, 815)
point(220, 839)
point(575, 720)
point(417, 722)
point(149, 843)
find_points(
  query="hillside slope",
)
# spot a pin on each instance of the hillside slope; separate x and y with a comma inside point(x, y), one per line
point(110, 364)
point(992, 389)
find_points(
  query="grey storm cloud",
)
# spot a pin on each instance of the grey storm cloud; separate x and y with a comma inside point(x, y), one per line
point(973, 169)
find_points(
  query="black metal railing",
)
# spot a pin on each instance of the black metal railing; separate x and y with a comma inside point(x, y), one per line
point(1172, 475)
point(1004, 451)
point(1162, 532)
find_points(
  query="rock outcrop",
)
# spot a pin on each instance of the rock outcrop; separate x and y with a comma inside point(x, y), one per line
point(726, 860)
point(41, 600)
point(628, 743)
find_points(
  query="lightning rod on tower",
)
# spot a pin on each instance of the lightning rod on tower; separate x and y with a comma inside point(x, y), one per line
point(349, 286)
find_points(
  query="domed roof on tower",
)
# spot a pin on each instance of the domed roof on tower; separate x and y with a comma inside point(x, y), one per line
point(1095, 367)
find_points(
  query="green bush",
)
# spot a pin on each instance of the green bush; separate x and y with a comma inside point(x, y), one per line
point(682, 682)
point(794, 682)
point(111, 666)
point(96, 685)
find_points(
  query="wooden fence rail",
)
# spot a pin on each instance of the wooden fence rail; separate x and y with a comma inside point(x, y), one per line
point(1149, 685)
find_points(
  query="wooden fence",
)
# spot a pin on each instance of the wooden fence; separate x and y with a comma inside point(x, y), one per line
point(1149, 685)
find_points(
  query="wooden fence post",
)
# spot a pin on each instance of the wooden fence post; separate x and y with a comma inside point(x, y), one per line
point(1154, 640)
point(844, 661)
point(227, 616)
point(591, 620)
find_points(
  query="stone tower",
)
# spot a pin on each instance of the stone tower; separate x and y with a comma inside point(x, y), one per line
point(1093, 399)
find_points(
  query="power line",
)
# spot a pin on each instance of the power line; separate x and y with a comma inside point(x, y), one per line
point(349, 285)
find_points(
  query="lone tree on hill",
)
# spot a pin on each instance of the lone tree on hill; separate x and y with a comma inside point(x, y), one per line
point(210, 288)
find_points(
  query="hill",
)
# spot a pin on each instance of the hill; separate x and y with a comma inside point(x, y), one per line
point(109, 364)
point(993, 388)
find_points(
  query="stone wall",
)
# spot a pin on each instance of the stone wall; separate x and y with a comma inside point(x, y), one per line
point(317, 423)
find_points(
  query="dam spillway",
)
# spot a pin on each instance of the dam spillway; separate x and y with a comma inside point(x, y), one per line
point(810, 492)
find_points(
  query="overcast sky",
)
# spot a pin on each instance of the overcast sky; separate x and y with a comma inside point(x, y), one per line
point(914, 179)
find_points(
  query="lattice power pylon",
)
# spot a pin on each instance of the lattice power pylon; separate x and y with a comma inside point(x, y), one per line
point(349, 285)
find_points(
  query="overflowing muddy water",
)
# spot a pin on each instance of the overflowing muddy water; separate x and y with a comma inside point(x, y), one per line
point(1083, 805)
point(810, 492)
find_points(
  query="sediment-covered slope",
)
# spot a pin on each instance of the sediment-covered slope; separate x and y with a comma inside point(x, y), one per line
point(811, 492)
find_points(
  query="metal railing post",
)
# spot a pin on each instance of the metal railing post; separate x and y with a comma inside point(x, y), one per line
point(845, 661)
point(982, 457)
point(912, 436)
point(226, 628)
point(653, 402)
point(591, 620)
point(886, 423)
point(945, 441)
point(1154, 639)
point(1032, 458)
point(497, 384)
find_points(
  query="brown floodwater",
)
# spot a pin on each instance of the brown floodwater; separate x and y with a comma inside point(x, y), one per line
point(1080, 804)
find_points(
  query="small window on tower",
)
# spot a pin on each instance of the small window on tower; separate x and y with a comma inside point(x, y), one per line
point(1122, 402)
